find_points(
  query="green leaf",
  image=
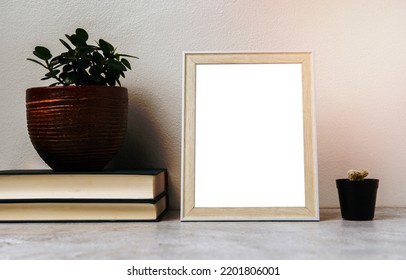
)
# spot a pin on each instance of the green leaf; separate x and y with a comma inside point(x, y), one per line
point(58, 61)
point(106, 47)
point(69, 78)
point(36, 61)
point(66, 57)
point(52, 73)
point(82, 33)
point(110, 80)
point(84, 50)
point(67, 68)
point(42, 53)
point(126, 63)
point(64, 60)
point(76, 40)
point(83, 77)
point(69, 38)
point(54, 63)
point(116, 65)
point(95, 70)
point(84, 64)
point(116, 74)
point(127, 55)
point(65, 44)
point(56, 72)
point(97, 58)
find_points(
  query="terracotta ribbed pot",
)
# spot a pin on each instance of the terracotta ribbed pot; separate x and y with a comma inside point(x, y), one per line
point(77, 128)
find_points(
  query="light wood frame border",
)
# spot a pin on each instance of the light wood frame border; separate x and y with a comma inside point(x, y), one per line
point(188, 210)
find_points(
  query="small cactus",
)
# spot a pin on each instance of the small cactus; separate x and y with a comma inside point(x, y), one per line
point(355, 175)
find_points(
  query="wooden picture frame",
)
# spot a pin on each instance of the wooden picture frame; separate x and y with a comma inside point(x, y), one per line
point(248, 118)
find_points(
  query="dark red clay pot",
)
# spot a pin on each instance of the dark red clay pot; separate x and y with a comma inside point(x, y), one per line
point(77, 128)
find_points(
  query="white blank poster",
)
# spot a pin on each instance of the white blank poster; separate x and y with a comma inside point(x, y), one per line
point(249, 136)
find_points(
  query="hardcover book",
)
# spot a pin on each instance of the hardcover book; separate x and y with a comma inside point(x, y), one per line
point(83, 210)
point(41, 184)
point(47, 196)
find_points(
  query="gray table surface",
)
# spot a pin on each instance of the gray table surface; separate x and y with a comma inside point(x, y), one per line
point(331, 238)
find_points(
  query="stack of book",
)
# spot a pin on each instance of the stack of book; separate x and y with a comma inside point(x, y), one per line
point(46, 196)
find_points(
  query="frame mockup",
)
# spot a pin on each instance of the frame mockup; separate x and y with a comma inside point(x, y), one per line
point(248, 142)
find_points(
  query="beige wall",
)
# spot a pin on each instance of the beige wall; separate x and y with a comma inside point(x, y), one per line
point(360, 74)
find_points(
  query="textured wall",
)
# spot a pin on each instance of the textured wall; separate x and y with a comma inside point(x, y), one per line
point(360, 74)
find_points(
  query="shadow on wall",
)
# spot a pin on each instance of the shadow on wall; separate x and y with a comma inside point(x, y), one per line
point(143, 145)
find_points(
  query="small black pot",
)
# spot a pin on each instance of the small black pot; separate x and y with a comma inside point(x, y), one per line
point(357, 198)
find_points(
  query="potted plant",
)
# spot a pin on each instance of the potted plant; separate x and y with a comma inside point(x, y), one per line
point(78, 123)
point(357, 195)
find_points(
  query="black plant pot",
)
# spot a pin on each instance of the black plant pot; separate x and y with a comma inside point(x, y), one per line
point(357, 198)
